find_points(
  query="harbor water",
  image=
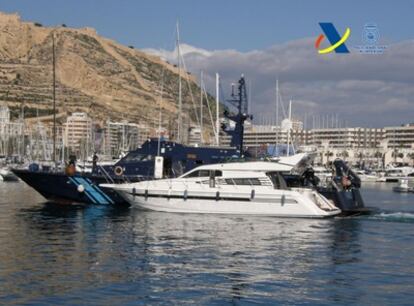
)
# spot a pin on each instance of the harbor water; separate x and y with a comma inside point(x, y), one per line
point(101, 255)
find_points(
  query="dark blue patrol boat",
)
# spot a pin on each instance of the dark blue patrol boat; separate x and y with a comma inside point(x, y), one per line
point(135, 166)
point(139, 164)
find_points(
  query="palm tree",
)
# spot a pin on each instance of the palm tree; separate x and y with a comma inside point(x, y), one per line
point(378, 154)
point(328, 154)
point(411, 156)
point(397, 154)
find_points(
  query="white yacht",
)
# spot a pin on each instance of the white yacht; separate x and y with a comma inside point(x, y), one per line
point(7, 176)
point(249, 188)
point(366, 176)
point(324, 174)
point(403, 186)
point(394, 174)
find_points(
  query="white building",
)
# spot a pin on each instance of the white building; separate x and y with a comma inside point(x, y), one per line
point(4, 114)
point(78, 134)
point(399, 144)
point(400, 136)
point(194, 136)
point(257, 136)
point(11, 134)
point(121, 137)
point(351, 138)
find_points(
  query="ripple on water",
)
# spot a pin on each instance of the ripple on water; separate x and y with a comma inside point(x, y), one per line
point(54, 254)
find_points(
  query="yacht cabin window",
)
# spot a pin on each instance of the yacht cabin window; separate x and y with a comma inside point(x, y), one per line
point(204, 173)
point(243, 181)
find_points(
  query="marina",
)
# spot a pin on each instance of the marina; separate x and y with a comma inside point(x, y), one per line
point(242, 163)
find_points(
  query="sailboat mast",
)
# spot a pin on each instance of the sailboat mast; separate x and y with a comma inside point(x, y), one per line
point(159, 121)
point(289, 127)
point(180, 102)
point(54, 98)
point(277, 112)
point(201, 107)
point(217, 109)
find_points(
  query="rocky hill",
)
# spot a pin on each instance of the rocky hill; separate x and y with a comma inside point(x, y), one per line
point(93, 74)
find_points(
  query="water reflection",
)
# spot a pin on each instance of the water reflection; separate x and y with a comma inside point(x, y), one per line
point(52, 248)
point(244, 257)
point(106, 255)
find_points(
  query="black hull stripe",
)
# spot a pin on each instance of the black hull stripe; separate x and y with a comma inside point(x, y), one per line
point(188, 197)
point(200, 197)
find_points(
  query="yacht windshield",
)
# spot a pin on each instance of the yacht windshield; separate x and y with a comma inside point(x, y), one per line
point(277, 180)
point(137, 157)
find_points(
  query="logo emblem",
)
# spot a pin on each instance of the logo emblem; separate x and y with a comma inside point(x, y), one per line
point(370, 39)
point(337, 42)
point(370, 34)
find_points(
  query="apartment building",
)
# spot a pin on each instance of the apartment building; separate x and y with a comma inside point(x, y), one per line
point(347, 138)
point(78, 134)
point(121, 137)
point(400, 136)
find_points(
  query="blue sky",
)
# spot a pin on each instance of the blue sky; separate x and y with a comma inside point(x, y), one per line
point(266, 40)
point(242, 25)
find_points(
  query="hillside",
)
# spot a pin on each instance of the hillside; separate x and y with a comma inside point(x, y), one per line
point(94, 74)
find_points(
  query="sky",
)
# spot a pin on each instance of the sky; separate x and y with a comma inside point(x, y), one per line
point(266, 40)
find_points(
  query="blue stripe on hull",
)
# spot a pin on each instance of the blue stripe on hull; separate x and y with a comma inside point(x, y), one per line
point(90, 197)
point(100, 191)
point(89, 189)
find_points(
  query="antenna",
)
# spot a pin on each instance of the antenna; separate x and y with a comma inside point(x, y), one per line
point(240, 102)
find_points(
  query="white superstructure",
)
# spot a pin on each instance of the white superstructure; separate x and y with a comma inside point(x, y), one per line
point(393, 174)
point(366, 176)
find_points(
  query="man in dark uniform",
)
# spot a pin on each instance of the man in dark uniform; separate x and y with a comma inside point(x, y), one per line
point(94, 161)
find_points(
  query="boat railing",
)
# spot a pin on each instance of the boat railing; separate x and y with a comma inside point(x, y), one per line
point(322, 202)
point(234, 183)
point(250, 182)
point(126, 179)
point(335, 185)
point(107, 177)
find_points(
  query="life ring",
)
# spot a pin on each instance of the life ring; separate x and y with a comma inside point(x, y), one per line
point(118, 170)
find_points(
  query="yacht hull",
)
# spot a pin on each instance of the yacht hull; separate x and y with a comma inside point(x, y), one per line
point(63, 188)
point(279, 206)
